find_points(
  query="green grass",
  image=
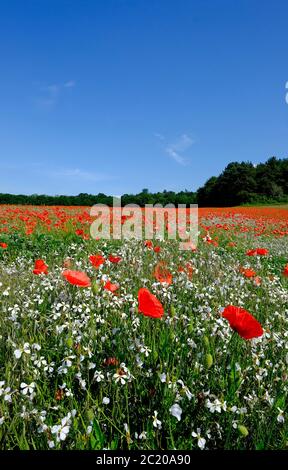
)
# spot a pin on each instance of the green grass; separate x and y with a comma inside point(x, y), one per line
point(192, 343)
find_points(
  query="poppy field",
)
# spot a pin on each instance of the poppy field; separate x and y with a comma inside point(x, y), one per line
point(135, 344)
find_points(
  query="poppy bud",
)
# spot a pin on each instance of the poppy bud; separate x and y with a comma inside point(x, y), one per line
point(206, 341)
point(155, 355)
point(173, 311)
point(69, 342)
point(243, 430)
point(95, 287)
point(209, 360)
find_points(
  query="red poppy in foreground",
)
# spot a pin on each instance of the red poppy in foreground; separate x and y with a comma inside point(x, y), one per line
point(111, 287)
point(162, 274)
point(40, 267)
point(148, 304)
point(3, 245)
point(243, 322)
point(77, 278)
point(285, 271)
point(114, 259)
point(97, 260)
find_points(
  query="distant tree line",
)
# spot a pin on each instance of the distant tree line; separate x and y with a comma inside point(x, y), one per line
point(244, 183)
point(239, 183)
point(83, 199)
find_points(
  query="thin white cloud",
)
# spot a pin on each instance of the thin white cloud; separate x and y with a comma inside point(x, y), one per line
point(175, 155)
point(176, 150)
point(70, 84)
point(51, 94)
point(183, 143)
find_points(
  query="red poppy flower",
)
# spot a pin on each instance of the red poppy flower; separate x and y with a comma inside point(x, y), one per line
point(114, 259)
point(111, 287)
point(3, 245)
point(251, 252)
point(257, 251)
point(148, 304)
point(247, 272)
point(157, 249)
point(77, 278)
point(162, 274)
point(285, 271)
point(262, 251)
point(148, 244)
point(40, 267)
point(97, 260)
point(243, 322)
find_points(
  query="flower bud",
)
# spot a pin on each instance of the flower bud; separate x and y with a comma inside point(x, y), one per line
point(95, 287)
point(209, 360)
point(243, 430)
point(206, 341)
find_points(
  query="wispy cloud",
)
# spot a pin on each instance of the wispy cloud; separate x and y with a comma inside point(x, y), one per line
point(175, 155)
point(177, 149)
point(70, 84)
point(50, 94)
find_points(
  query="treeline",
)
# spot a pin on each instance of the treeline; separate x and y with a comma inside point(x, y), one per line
point(244, 183)
point(83, 199)
point(239, 183)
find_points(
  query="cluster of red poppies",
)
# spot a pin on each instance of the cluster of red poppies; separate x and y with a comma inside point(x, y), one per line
point(149, 305)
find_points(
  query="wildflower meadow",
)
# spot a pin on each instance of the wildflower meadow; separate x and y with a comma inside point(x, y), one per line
point(136, 344)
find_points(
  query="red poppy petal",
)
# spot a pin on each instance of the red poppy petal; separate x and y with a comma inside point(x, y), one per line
point(77, 278)
point(243, 322)
point(148, 304)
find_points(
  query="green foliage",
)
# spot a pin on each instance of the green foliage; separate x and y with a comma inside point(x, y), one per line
point(83, 199)
point(245, 183)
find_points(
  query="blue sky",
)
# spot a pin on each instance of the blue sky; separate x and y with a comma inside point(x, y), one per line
point(118, 95)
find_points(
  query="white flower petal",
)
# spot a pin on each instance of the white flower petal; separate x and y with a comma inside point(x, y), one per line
point(176, 411)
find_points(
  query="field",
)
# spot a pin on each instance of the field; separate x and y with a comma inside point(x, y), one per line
point(82, 368)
